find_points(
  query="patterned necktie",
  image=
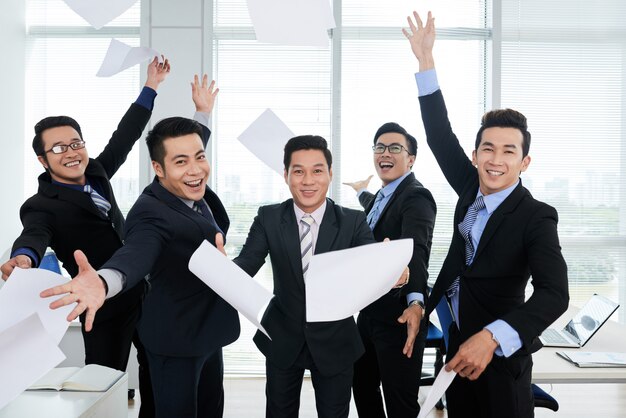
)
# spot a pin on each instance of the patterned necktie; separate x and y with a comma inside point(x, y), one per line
point(306, 242)
point(101, 203)
point(465, 228)
point(374, 214)
point(202, 208)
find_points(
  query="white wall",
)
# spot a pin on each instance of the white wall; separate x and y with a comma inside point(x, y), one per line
point(12, 47)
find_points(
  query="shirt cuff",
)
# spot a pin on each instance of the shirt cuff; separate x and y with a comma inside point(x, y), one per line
point(116, 280)
point(507, 337)
point(427, 82)
point(146, 98)
point(414, 296)
point(202, 118)
point(27, 252)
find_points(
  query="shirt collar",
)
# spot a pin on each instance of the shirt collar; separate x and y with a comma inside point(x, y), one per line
point(391, 187)
point(317, 214)
point(187, 202)
point(78, 187)
point(493, 200)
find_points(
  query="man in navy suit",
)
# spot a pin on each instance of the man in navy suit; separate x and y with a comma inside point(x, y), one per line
point(502, 236)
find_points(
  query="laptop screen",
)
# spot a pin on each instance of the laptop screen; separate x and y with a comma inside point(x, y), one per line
point(587, 321)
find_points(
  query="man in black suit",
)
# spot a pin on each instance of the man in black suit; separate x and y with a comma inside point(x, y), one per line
point(309, 220)
point(65, 217)
point(501, 237)
point(403, 208)
point(184, 324)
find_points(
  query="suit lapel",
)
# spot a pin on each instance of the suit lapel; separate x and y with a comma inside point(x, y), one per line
point(328, 229)
point(290, 234)
point(403, 184)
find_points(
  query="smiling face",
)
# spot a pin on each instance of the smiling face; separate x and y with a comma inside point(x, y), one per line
point(393, 166)
point(308, 178)
point(68, 167)
point(499, 159)
point(185, 169)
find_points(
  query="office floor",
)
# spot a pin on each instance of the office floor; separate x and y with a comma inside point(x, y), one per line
point(245, 398)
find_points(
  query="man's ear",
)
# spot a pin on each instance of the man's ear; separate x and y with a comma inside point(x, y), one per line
point(158, 169)
point(286, 176)
point(43, 161)
point(525, 163)
point(474, 160)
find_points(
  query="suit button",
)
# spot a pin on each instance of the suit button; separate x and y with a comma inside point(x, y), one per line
point(113, 225)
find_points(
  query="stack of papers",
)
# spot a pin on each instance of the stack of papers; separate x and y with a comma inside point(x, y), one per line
point(594, 359)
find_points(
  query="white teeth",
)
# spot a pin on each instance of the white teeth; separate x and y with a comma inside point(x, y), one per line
point(385, 165)
point(72, 163)
point(193, 183)
point(495, 173)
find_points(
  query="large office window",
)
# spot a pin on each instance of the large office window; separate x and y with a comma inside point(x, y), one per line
point(63, 56)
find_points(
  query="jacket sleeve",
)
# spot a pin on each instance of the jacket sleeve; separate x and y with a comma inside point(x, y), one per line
point(255, 250)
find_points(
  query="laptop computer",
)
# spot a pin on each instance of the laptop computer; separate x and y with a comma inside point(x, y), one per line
point(582, 327)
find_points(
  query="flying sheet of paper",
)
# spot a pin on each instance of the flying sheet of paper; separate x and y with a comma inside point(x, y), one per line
point(97, 12)
point(229, 281)
point(266, 138)
point(20, 298)
point(341, 283)
point(293, 22)
point(443, 380)
point(120, 56)
point(27, 352)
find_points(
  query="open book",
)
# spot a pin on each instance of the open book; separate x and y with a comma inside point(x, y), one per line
point(90, 378)
point(594, 359)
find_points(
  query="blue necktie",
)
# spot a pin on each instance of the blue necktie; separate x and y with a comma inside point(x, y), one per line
point(203, 209)
point(101, 203)
point(465, 228)
point(374, 214)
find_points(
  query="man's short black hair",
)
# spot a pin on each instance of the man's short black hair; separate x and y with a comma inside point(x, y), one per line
point(48, 123)
point(505, 118)
point(306, 142)
point(169, 128)
point(396, 128)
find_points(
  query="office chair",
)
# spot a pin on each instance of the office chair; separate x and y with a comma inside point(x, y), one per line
point(50, 262)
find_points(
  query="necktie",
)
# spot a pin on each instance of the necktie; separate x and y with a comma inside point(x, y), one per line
point(201, 207)
point(306, 242)
point(101, 203)
point(465, 228)
point(374, 214)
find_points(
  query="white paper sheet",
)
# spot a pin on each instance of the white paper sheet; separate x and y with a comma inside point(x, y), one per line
point(292, 22)
point(99, 12)
point(229, 281)
point(341, 283)
point(266, 138)
point(442, 382)
point(120, 56)
point(27, 352)
point(19, 298)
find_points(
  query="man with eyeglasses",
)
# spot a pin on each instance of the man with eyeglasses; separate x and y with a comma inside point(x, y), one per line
point(75, 208)
point(392, 328)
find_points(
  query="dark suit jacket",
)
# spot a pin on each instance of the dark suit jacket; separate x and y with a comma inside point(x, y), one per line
point(181, 315)
point(334, 345)
point(67, 220)
point(410, 213)
point(519, 240)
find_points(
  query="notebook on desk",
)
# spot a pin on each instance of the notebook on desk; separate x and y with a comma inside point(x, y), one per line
point(583, 326)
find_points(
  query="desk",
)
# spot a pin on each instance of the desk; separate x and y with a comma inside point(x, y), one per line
point(550, 368)
point(52, 404)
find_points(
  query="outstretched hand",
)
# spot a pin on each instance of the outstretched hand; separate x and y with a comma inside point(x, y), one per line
point(412, 317)
point(87, 289)
point(360, 184)
point(474, 355)
point(203, 95)
point(422, 39)
point(157, 72)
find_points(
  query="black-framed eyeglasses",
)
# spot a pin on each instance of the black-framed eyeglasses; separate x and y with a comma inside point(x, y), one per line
point(393, 148)
point(60, 149)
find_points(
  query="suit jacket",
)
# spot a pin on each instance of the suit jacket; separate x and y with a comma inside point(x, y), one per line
point(520, 239)
point(66, 219)
point(409, 213)
point(334, 345)
point(181, 315)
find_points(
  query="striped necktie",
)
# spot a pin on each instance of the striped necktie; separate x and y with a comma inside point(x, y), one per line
point(306, 242)
point(101, 203)
point(465, 228)
point(374, 214)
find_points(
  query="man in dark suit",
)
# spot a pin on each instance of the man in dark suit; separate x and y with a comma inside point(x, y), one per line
point(184, 324)
point(290, 232)
point(501, 237)
point(62, 215)
point(403, 208)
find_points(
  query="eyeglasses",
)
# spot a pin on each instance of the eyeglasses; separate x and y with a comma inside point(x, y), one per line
point(393, 148)
point(60, 149)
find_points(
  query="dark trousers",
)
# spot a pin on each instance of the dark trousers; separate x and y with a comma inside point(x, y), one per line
point(502, 390)
point(332, 393)
point(187, 387)
point(383, 362)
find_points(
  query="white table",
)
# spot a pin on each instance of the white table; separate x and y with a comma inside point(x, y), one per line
point(52, 404)
point(550, 368)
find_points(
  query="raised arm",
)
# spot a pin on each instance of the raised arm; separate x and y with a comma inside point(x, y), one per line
point(422, 39)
